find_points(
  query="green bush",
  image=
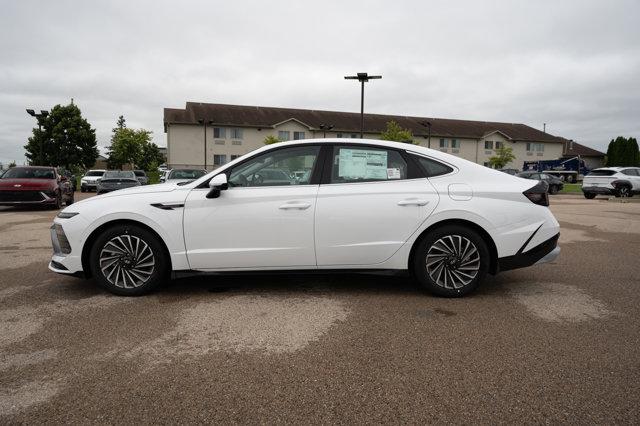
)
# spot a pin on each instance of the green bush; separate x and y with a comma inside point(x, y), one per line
point(154, 176)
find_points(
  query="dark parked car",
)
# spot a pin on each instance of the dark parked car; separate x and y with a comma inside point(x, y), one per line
point(142, 177)
point(510, 171)
point(112, 180)
point(184, 175)
point(32, 185)
point(555, 184)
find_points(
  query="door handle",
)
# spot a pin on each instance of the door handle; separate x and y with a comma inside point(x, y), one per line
point(413, 202)
point(295, 205)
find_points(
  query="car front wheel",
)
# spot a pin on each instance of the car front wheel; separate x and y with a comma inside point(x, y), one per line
point(129, 260)
point(451, 261)
point(589, 195)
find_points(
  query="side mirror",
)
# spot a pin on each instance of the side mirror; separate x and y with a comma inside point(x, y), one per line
point(216, 184)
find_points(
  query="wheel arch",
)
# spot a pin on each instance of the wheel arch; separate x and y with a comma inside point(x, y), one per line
point(493, 251)
point(86, 249)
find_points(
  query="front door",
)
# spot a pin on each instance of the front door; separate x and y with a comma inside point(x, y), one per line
point(265, 218)
point(369, 207)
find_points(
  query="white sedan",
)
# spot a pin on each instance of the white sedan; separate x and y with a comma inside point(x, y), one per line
point(363, 205)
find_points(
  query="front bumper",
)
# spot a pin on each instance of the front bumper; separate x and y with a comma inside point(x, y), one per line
point(544, 252)
point(20, 198)
point(603, 190)
point(89, 184)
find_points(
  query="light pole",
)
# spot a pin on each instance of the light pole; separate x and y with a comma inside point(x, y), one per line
point(326, 127)
point(362, 77)
point(38, 117)
point(427, 124)
point(204, 122)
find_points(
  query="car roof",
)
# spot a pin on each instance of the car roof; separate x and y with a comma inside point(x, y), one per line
point(617, 168)
point(96, 170)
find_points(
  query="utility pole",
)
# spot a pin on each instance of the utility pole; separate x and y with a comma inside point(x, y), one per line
point(204, 123)
point(38, 117)
point(362, 77)
point(427, 124)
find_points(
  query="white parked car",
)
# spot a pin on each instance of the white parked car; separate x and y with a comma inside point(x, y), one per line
point(364, 205)
point(617, 181)
point(90, 180)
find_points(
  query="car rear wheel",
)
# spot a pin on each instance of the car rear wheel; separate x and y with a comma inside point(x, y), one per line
point(128, 260)
point(589, 195)
point(451, 261)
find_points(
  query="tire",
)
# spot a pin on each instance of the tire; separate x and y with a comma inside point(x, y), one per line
point(71, 200)
point(58, 203)
point(589, 195)
point(442, 275)
point(624, 191)
point(553, 189)
point(83, 189)
point(114, 255)
point(572, 179)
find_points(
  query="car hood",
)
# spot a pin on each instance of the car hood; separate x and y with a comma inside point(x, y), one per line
point(27, 184)
point(133, 191)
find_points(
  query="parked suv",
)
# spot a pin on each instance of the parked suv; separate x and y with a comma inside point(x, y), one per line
point(617, 181)
point(141, 176)
point(90, 180)
point(555, 184)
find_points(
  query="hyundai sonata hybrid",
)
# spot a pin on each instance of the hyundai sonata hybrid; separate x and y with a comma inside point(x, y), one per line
point(360, 204)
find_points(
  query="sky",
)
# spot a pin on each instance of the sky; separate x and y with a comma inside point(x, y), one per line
point(574, 65)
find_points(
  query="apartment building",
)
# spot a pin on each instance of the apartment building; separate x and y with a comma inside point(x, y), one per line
point(207, 135)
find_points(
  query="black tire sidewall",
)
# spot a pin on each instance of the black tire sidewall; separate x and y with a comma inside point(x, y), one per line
point(589, 195)
point(161, 259)
point(420, 267)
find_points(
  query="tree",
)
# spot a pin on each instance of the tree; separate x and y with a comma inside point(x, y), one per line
point(12, 164)
point(623, 152)
point(151, 157)
point(396, 133)
point(127, 147)
point(65, 139)
point(504, 155)
point(271, 140)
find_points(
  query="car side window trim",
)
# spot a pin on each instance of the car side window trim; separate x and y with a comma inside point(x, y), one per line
point(425, 174)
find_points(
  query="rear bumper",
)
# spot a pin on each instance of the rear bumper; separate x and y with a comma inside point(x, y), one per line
point(599, 190)
point(544, 252)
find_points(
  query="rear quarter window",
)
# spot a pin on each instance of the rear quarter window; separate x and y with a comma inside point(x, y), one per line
point(433, 168)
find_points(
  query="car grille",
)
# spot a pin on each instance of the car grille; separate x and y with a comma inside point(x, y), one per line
point(16, 196)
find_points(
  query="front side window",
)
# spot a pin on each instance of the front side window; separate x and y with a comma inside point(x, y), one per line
point(488, 144)
point(281, 167)
point(365, 164)
point(219, 132)
point(236, 133)
point(283, 135)
point(219, 159)
point(298, 135)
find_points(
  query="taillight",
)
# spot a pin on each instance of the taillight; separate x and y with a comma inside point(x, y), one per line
point(539, 194)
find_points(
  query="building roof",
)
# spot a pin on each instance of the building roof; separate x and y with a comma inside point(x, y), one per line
point(348, 122)
point(572, 149)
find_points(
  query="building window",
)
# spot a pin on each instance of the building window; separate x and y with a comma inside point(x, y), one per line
point(219, 159)
point(236, 133)
point(499, 145)
point(488, 144)
point(444, 143)
point(233, 157)
point(339, 135)
point(236, 143)
point(533, 146)
point(455, 144)
point(298, 135)
point(219, 142)
point(284, 135)
point(219, 133)
point(354, 136)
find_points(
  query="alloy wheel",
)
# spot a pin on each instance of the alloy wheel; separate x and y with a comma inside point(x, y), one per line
point(127, 261)
point(453, 261)
point(623, 191)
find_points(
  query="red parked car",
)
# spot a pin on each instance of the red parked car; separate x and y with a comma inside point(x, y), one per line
point(35, 185)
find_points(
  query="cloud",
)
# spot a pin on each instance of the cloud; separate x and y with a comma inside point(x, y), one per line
point(574, 65)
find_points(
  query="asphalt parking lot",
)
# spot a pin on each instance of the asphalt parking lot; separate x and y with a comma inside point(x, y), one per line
point(551, 343)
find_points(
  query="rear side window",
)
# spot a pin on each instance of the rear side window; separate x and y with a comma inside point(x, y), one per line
point(433, 168)
point(366, 164)
point(602, 173)
point(630, 172)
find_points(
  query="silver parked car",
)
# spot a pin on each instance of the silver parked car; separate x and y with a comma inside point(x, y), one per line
point(142, 177)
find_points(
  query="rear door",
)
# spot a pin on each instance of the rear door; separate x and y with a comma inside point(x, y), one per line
point(369, 203)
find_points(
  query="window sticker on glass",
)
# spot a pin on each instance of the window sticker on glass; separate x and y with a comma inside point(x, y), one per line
point(362, 164)
point(393, 173)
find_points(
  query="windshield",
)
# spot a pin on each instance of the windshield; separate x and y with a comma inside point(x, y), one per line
point(94, 173)
point(186, 174)
point(118, 174)
point(28, 173)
